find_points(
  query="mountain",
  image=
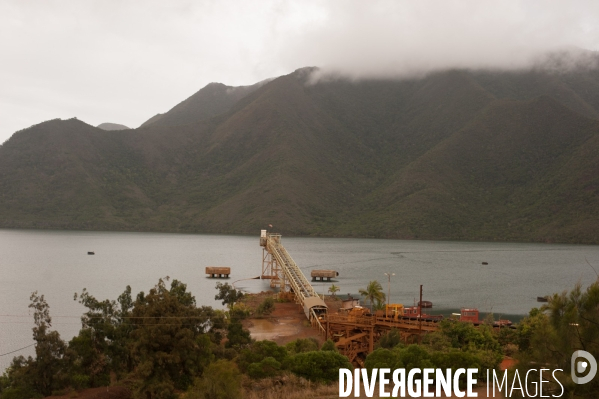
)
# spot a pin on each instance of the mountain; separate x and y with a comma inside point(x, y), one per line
point(210, 101)
point(465, 155)
point(111, 126)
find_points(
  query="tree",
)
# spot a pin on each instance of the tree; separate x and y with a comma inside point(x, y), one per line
point(333, 289)
point(569, 322)
point(228, 294)
point(237, 336)
point(30, 377)
point(49, 366)
point(103, 341)
point(374, 293)
point(170, 345)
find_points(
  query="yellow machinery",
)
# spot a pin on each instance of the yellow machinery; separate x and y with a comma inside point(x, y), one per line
point(394, 311)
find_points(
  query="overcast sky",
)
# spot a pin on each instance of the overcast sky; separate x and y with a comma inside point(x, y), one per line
point(124, 61)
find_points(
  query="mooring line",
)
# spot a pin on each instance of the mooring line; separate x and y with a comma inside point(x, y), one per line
point(244, 279)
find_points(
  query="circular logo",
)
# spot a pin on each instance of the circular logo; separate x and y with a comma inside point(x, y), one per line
point(581, 366)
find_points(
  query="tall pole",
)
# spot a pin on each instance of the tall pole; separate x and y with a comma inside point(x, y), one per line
point(420, 316)
point(389, 287)
point(389, 291)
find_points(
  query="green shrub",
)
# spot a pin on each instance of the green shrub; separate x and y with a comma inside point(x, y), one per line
point(301, 345)
point(267, 367)
point(259, 351)
point(221, 380)
point(414, 356)
point(329, 345)
point(266, 307)
point(80, 381)
point(383, 358)
point(320, 366)
point(390, 340)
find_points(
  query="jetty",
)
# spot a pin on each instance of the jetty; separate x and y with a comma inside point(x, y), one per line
point(282, 271)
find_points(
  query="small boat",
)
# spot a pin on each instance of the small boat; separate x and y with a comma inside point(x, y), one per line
point(485, 263)
point(91, 253)
point(542, 299)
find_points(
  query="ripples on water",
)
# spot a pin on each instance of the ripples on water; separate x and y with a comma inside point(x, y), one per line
point(56, 264)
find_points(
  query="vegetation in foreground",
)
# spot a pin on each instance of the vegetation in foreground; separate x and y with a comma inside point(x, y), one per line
point(162, 345)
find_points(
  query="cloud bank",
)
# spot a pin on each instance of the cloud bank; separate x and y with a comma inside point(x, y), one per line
point(395, 38)
point(124, 61)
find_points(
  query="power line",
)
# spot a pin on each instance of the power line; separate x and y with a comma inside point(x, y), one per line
point(25, 347)
point(118, 317)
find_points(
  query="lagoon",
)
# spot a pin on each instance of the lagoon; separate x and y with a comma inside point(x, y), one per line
point(56, 264)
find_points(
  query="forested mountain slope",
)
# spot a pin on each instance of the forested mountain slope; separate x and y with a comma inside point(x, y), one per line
point(474, 155)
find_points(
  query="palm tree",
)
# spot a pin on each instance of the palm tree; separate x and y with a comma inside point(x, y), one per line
point(333, 289)
point(374, 293)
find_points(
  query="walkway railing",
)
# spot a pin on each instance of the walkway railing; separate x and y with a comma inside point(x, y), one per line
point(288, 273)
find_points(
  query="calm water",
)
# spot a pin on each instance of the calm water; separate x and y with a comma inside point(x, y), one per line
point(56, 264)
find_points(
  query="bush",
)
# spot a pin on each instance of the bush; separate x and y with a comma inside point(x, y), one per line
point(80, 381)
point(329, 345)
point(267, 367)
point(383, 358)
point(454, 360)
point(266, 307)
point(414, 356)
point(390, 340)
point(322, 366)
point(238, 312)
point(259, 351)
point(302, 345)
point(466, 336)
point(221, 380)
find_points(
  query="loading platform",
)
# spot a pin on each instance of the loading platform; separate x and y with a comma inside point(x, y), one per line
point(218, 271)
point(353, 332)
point(285, 274)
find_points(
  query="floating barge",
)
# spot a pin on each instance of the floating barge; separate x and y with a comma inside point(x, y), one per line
point(425, 304)
point(218, 271)
point(542, 299)
point(322, 274)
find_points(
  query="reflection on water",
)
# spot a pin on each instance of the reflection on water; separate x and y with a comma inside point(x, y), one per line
point(56, 264)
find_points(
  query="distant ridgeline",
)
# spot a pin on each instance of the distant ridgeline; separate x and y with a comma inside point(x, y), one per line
point(462, 155)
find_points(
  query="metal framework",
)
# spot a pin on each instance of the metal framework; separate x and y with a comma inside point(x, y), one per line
point(355, 336)
point(284, 273)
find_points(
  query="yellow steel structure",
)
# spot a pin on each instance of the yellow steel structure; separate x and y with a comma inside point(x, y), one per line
point(356, 332)
point(284, 273)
